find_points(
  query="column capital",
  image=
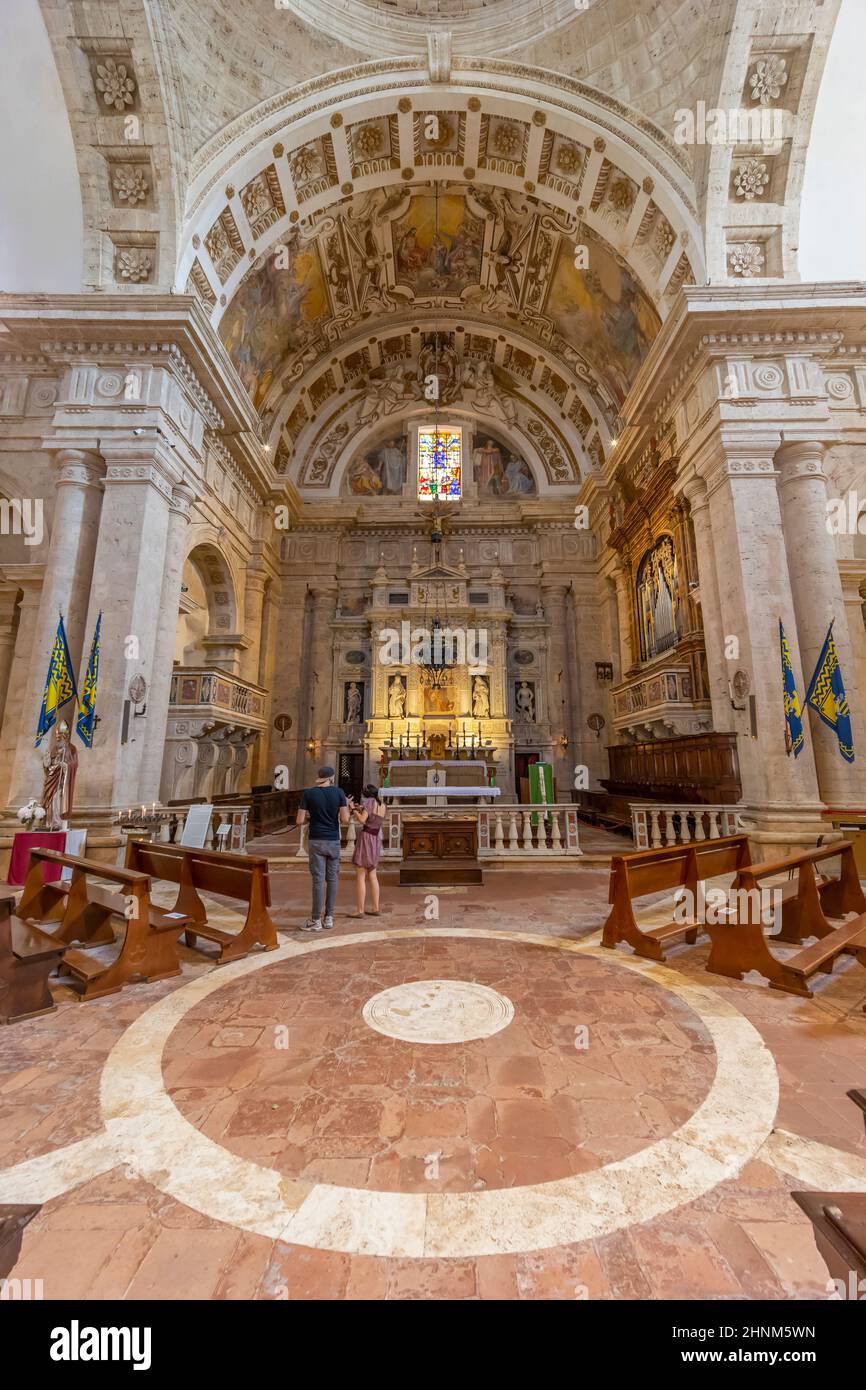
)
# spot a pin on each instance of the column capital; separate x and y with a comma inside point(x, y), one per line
point(81, 467)
point(800, 458)
point(182, 499)
point(696, 492)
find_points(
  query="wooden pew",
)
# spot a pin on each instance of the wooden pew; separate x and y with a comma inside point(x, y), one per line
point(27, 957)
point(859, 1099)
point(148, 950)
point(740, 943)
point(13, 1220)
point(657, 870)
point(839, 1221)
point(241, 877)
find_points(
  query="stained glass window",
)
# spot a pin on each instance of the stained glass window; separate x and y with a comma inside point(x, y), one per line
point(439, 465)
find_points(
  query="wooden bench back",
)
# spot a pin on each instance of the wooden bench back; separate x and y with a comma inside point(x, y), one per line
point(768, 868)
point(675, 866)
point(130, 878)
point(211, 871)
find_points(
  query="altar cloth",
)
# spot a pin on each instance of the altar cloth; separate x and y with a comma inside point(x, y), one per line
point(442, 790)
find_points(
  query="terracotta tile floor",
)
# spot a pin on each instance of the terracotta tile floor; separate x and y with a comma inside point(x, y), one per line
point(336, 1103)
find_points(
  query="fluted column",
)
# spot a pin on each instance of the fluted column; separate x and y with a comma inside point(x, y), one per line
point(711, 613)
point(65, 586)
point(818, 601)
point(163, 653)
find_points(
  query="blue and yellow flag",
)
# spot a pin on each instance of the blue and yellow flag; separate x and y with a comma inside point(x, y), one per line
point(826, 694)
point(87, 703)
point(793, 713)
point(59, 684)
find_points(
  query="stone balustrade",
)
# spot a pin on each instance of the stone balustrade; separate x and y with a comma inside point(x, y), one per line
point(507, 833)
point(655, 826)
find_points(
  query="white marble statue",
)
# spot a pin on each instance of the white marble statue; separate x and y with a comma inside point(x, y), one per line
point(353, 704)
point(396, 698)
point(525, 700)
point(480, 698)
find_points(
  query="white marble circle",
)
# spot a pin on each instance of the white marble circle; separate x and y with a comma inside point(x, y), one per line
point(438, 1011)
point(144, 1129)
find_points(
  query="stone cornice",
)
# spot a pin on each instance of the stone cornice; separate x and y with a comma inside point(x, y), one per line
point(173, 330)
point(725, 321)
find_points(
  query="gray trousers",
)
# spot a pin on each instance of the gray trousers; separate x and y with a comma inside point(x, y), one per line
point(324, 858)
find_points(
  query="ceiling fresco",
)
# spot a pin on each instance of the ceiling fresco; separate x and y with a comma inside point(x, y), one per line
point(397, 249)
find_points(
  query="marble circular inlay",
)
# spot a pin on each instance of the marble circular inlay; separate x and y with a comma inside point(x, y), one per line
point(145, 1130)
point(438, 1011)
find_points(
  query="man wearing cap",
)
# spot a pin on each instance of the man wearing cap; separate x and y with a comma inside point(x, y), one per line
point(328, 808)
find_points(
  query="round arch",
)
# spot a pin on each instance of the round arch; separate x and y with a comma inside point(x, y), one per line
point(209, 605)
point(537, 171)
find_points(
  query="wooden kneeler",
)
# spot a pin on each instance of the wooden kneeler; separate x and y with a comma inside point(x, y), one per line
point(148, 949)
point(27, 957)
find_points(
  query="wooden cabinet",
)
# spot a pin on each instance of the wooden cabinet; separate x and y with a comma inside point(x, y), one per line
point(440, 852)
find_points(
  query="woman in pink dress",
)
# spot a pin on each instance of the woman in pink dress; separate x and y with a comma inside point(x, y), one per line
point(369, 816)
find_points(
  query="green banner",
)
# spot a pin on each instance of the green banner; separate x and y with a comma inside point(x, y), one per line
point(540, 786)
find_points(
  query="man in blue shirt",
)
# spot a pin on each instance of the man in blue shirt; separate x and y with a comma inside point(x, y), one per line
point(327, 808)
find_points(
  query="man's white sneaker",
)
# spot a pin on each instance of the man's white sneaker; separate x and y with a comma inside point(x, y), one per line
point(311, 925)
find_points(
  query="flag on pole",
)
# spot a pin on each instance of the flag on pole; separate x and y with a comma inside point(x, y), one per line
point(87, 703)
point(826, 694)
point(59, 683)
point(793, 714)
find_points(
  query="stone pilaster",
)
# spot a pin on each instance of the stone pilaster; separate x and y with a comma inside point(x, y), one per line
point(19, 717)
point(289, 680)
point(9, 592)
point(818, 600)
point(65, 587)
point(128, 588)
point(719, 670)
point(559, 696)
point(169, 606)
point(254, 599)
point(623, 581)
point(321, 670)
point(781, 792)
